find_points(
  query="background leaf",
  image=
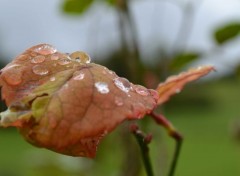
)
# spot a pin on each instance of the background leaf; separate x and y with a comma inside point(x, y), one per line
point(227, 32)
point(76, 7)
point(183, 59)
point(111, 2)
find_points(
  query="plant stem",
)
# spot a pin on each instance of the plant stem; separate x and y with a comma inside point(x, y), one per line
point(175, 157)
point(161, 120)
point(143, 141)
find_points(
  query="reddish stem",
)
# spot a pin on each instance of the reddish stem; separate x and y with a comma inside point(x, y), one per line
point(161, 120)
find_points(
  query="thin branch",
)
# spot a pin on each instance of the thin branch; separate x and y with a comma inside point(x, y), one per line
point(143, 141)
point(161, 120)
point(186, 25)
point(123, 35)
point(175, 157)
point(134, 64)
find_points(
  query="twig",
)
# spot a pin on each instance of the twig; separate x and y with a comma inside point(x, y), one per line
point(184, 32)
point(135, 65)
point(143, 141)
point(161, 120)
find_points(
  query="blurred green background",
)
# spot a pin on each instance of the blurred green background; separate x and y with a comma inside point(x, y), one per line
point(206, 112)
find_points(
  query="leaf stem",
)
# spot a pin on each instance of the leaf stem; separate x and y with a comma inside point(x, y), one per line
point(175, 157)
point(161, 120)
point(143, 141)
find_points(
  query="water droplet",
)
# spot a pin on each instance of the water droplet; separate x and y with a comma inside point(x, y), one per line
point(13, 75)
point(199, 67)
point(52, 79)
point(118, 101)
point(45, 49)
point(54, 57)
point(64, 61)
point(80, 76)
point(104, 72)
point(154, 94)
point(105, 132)
point(39, 70)
point(38, 59)
point(65, 86)
point(102, 87)
point(123, 84)
point(23, 57)
point(112, 72)
point(177, 90)
point(141, 90)
point(80, 56)
point(171, 78)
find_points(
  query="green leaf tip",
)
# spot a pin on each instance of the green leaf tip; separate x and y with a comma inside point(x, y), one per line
point(227, 32)
point(76, 7)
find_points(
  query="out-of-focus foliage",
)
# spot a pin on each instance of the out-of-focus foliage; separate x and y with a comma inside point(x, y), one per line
point(121, 63)
point(111, 2)
point(227, 32)
point(76, 7)
point(182, 59)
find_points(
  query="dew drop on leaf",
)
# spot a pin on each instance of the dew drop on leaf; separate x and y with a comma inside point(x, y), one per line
point(64, 61)
point(38, 59)
point(80, 76)
point(104, 72)
point(13, 75)
point(65, 86)
point(118, 101)
point(177, 90)
point(45, 49)
point(105, 132)
point(171, 78)
point(102, 87)
point(112, 72)
point(54, 57)
point(52, 79)
point(141, 90)
point(123, 84)
point(80, 56)
point(39, 70)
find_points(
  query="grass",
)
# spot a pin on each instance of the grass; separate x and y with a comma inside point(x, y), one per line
point(209, 148)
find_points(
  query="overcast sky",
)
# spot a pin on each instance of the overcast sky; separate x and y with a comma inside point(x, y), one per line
point(25, 23)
